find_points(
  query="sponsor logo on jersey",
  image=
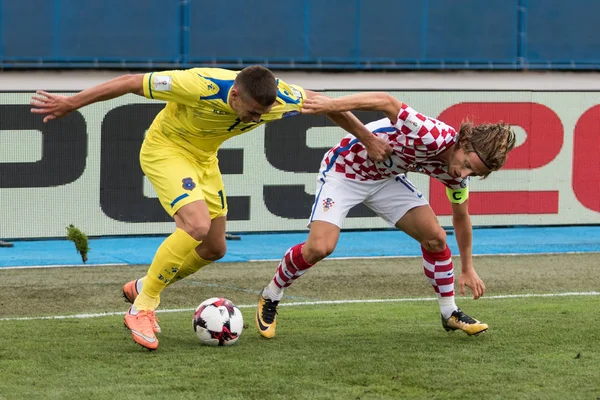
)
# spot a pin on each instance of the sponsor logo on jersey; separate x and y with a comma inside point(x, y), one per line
point(162, 83)
point(413, 123)
point(297, 93)
point(290, 114)
point(188, 184)
point(327, 204)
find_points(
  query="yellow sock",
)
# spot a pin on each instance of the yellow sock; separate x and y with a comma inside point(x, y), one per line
point(191, 264)
point(156, 301)
point(145, 302)
point(167, 261)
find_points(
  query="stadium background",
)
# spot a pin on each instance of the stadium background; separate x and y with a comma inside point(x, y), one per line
point(359, 328)
point(490, 60)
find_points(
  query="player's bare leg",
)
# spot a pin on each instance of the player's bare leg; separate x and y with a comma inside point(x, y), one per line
point(212, 248)
point(422, 224)
point(321, 242)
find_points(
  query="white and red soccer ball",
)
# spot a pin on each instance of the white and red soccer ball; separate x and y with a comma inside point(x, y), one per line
point(218, 322)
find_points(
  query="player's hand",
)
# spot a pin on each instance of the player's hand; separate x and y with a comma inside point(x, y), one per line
point(378, 149)
point(471, 280)
point(318, 105)
point(53, 106)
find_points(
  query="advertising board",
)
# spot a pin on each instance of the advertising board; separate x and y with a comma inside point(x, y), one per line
point(84, 169)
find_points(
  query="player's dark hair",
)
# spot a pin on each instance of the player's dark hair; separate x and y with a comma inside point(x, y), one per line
point(491, 143)
point(258, 83)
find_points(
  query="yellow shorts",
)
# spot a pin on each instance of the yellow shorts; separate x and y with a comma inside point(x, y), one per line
point(179, 179)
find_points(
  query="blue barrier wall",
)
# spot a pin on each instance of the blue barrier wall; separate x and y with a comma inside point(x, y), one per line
point(300, 34)
point(562, 32)
point(63, 31)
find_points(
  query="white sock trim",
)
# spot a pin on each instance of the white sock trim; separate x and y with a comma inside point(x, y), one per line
point(447, 306)
point(273, 292)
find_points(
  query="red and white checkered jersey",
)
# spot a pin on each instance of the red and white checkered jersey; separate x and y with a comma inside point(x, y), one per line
point(415, 140)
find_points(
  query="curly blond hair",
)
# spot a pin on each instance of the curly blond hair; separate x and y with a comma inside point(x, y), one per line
point(491, 142)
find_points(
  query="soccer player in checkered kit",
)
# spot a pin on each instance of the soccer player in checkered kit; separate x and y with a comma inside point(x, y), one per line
point(348, 177)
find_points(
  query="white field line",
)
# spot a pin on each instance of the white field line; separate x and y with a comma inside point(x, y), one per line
point(312, 303)
point(474, 255)
point(278, 259)
point(63, 266)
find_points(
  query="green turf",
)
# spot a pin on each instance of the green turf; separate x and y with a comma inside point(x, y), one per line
point(536, 348)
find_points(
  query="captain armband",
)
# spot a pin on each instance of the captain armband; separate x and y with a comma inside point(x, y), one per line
point(457, 196)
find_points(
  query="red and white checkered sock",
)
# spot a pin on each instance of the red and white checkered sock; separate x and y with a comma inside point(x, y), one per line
point(439, 270)
point(292, 266)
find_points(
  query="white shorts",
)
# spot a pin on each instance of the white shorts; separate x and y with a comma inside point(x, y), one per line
point(389, 198)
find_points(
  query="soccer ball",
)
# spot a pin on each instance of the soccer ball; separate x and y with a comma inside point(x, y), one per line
point(218, 322)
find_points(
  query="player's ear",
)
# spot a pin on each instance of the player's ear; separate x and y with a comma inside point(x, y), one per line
point(234, 96)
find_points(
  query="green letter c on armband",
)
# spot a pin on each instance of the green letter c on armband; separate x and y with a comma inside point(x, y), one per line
point(457, 196)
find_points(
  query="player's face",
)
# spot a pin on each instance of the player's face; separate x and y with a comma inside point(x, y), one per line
point(246, 108)
point(463, 164)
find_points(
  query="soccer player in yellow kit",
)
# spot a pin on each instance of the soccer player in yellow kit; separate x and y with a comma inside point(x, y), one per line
point(205, 107)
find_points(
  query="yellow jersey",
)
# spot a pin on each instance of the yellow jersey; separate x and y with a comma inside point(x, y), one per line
point(198, 117)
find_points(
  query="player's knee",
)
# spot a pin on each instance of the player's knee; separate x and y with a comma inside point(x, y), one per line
point(215, 253)
point(436, 242)
point(317, 251)
point(197, 229)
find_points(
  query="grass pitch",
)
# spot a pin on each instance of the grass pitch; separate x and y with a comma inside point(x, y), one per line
point(537, 347)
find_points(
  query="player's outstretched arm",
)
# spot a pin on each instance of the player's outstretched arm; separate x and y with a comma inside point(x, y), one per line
point(54, 106)
point(463, 231)
point(377, 148)
point(368, 101)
